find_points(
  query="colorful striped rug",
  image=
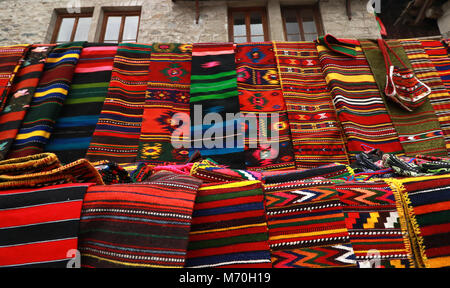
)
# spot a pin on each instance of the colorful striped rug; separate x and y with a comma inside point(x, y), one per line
point(214, 93)
point(260, 95)
point(376, 224)
point(425, 70)
point(143, 225)
point(426, 201)
point(167, 98)
point(229, 228)
point(11, 58)
point(440, 58)
point(47, 101)
point(307, 228)
point(31, 236)
point(316, 134)
point(358, 102)
point(419, 131)
point(22, 91)
point(116, 136)
point(76, 123)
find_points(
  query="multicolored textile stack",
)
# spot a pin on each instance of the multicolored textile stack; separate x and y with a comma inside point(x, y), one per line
point(419, 131)
point(426, 201)
point(426, 72)
point(307, 226)
point(47, 101)
point(441, 59)
point(76, 123)
point(268, 143)
point(358, 102)
point(167, 97)
point(316, 134)
point(229, 228)
point(10, 59)
point(31, 236)
point(116, 136)
point(143, 225)
point(22, 91)
point(214, 94)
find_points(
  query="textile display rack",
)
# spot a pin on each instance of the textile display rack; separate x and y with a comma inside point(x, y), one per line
point(338, 154)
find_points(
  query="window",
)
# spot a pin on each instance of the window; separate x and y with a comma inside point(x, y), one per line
point(248, 25)
point(302, 23)
point(72, 27)
point(120, 27)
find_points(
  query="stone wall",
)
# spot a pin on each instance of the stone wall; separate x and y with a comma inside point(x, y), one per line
point(33, 21)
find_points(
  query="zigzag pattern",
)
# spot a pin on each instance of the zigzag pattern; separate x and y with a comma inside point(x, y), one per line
point(372, 220)
point(317, 257)
point(286, 198)
point(365, 196)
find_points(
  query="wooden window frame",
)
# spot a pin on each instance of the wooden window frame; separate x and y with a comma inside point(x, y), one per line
point(124, 15)
point(247, 11)
point(62, 16)
point(316, 15)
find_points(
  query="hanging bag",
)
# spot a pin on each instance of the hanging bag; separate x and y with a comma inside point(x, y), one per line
point(402, 86)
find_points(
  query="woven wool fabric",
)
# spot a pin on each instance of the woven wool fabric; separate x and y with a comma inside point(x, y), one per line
point(440, 58)
point(214, 90)
point(229, 228)
point(142, 225)
point(211, 172)
point(358, 102)
point(47, 101)
point(426, 202)
point(22, 91)
point(10, 62)
point(167, 95)
point(307, 226)
point(116, 136)
point(419, 131)
point(33, 237)
point(425, 71)
point(316, 135)
point(260, 94)
point(376, 224)
point(76, 123)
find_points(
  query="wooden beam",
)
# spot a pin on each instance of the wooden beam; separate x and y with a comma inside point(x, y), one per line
point(348, 5)
point(423, 9)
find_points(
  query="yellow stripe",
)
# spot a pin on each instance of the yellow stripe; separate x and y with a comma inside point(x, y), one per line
point(231, 185)
point(54, 60)
point(439, 262)
point(308, 234)
point(55, 90)
point(32, 134)
point(350, 79)
point(228, 229)
point(129, 264)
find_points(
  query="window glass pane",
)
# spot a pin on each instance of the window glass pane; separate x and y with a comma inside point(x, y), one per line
point(84, 24)
point(256, 24)
point(65, 30)
point(239, 24)
point(309, 25)
point(130, 30)
point(257, 38)
point(294, 37)
point(310, 37)
point(113, 28)
point(240, 39)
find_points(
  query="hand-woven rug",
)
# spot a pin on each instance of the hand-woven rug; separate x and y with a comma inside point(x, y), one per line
point(143, 225)
point(426, 201)
point(10, 59)
point(307, 227)
point(229, 228)
point(22, 91)
point(425, 71)
point(316, 134)
point(260, 94)
point(76, 123)
point(376, 224)
point(214, 90)
point(167, 95)
point(116, 136)
point(419, 131)
point(39, 227)
point(47, 101)
point(211, 172)
point(358, 102)
point(440, 58)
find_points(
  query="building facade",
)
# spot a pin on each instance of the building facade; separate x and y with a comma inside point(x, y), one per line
point(148, 21)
